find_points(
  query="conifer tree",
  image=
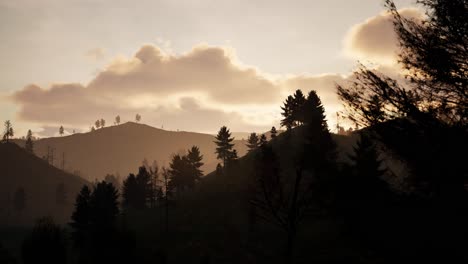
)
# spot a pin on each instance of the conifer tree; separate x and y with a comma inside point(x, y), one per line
point(104, 207)
point(263, 140)
point(130, 192)
point(288, 109)
point(195, 159)
point(224, 146)
point(80, 219)
point(252, 142)
point(61, 130)
point(29, 145)
point(273, 132)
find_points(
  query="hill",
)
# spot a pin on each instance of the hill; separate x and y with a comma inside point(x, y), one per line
point(20, 169)
point(121, 149)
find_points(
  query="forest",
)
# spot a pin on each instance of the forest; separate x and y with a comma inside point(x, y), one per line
point(392, 189)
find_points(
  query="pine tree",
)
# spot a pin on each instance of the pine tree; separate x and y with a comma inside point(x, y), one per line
point(117, 120)
point(224, 146)
point(273, 132)
point(130, 192)
point(298, 110)
point(288, 109)
point(102, 123)
point(252, 142)
point(195, 159)
point(263, 140)
point(104, 206)
point(144, 185)
point(97, 124)
point(80, 219)
point(61, 130)
point(29, 145)
point(137, 118)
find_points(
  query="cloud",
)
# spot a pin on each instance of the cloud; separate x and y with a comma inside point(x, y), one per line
point(198, 90)
point(375, 40)
point(95, 54)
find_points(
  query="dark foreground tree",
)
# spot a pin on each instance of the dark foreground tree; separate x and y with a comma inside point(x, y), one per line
point(80, 219)
point(104, 206)
point(285, 199)
point(46, 244)
point(423, 124)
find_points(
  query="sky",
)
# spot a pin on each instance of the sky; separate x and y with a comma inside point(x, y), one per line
point(191, 65)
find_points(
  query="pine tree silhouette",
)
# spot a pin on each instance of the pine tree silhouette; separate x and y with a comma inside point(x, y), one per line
point(252, 142)
point(29, 145)
point(224, 146)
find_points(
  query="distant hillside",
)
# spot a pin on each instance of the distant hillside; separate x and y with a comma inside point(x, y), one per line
point(121, 149)
point(20, 169)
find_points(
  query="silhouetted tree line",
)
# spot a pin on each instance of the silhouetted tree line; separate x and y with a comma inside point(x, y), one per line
point(423, 124)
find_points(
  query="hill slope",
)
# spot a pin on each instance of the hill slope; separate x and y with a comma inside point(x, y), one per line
point(121, 149)
point(20, 169)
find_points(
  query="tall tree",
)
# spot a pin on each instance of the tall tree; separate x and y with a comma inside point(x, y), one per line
point(263, 140)
point(180, 172)
point(117, 120)
point(80, 219)
point(145, 188)
point(8, 131)
point(288, 109)
point(430, 112)
point(252, 142)
point(298, 111)
point(61, 130)
point(273, 132)
point(195, 159)
point(115, 180)
point(282, 201)
point(29, 145)
point(130, 193)
point(46, 244)
point(167, 193)
point(104, 206)
point(224, 146)
point(433, 51)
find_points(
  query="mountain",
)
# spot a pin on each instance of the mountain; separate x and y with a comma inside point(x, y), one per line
point(20, 169)
point(121, 149)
